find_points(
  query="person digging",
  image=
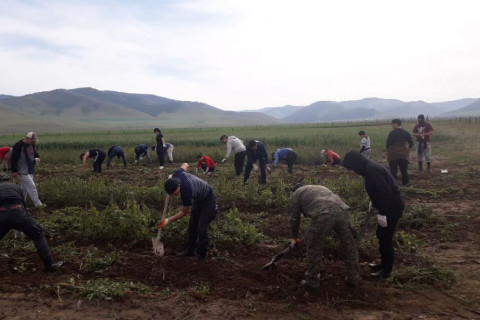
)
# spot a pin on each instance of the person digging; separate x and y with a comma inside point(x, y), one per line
point(14, 215)
point(327, 212)
point(198, 199)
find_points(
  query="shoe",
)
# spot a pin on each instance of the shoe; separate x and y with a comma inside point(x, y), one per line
point(382, 273)
point(375, 267)
point(310, 284)
point(54, 267)
point(187, 253)
point(161, 167)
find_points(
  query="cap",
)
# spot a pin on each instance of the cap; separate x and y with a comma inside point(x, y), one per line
point(171, 185)
point(421, 117)
point(5, 177)
point(32, 135)
point(322, 152)
point(396, 121)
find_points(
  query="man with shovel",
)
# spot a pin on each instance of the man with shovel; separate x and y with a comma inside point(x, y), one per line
point(327, 211)
point(199, 200)
point(385, 196)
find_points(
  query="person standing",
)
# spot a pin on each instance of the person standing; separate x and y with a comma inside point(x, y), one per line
point(198, 199)
point(206, 163)
point(287, 154)
point(14, 215)
point(116, 151)
point(422, 132)
point(327, 212)
point(364, 144)
point(256, 151)
point(236, 146)
point(6, 155)
point(23, 161)
point(142, 151)
point(399, 142)
point(160, 148)
point(98, 155)
point(385, 196)
point(331, 157)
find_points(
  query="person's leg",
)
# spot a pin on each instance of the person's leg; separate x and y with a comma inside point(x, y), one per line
point(203, 166)
point(291, 157)
point(420, 155)
point(206, 216)
point(349, 248)
point(138, 154)
point(29, 186)
point(147, 154)
point(428, 151)
point(248, 169)
point(239, 161)
point(195, 213)
point(170, 154)
point(393, 168)
point(403, 164)
point(122, 155)
point(385, 241)
point(100, 158)
point(211, 169)
point(366, 153)
point(159, 151)
point(263, 170)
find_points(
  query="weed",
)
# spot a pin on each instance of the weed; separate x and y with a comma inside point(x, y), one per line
point(407, 243)
point(425, 274)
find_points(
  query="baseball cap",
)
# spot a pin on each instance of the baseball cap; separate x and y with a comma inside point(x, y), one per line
point(31, 135)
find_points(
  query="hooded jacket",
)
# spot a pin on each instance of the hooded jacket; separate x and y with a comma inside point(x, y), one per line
point(379, 183)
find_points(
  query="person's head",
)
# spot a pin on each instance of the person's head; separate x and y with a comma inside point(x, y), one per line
point(361, 133)
point(323, 152)
point(31, 138)
point(223, 139)
point(252, 144)
point(157, 131)
point(5, 177)
point(172, 186)
point(354, 160)
point(199, 156)
point(298, 186)
point(81, 156)
point(396, 123)
point(421, 118)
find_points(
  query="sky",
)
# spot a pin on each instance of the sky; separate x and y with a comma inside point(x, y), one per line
point(244, 54)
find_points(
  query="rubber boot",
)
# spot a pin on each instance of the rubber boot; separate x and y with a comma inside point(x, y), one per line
point(429, 166)
point(420, 166)
point(44, 252)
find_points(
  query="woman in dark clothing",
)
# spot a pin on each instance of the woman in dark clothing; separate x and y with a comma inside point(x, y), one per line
point(98, 156)
point(160, 146)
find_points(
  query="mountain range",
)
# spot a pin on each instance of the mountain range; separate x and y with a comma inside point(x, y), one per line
point(92, 109)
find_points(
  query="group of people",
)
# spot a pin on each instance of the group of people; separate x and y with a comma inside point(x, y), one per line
point(327, 210)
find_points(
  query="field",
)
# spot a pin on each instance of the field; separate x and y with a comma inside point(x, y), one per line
point(101, 225)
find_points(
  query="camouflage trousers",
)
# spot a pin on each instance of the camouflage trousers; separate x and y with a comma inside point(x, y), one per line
point(320, 228)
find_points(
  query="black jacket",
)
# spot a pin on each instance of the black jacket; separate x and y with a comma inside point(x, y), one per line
point(11, 194)
point(17, 149)
point(379, 183)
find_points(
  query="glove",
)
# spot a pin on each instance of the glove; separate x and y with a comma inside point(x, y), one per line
point(293, 244)
point(162, 223)
point(382, 220)
point(164, 146)
point(224, 160)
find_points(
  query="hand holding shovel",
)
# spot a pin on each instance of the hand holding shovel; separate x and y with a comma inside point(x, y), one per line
point(158, 249)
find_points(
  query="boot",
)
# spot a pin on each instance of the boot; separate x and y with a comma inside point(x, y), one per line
point(429, 166)
point(375, 267)
point(54, 267)
point(420, 166)
point(187, 253)
point(382, 273)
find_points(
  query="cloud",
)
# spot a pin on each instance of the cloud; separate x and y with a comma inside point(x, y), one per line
point(244, 54)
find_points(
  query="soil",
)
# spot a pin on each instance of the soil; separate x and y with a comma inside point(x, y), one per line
point(232, 285)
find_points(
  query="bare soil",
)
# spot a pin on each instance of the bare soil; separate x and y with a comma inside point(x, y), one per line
point(232, 285)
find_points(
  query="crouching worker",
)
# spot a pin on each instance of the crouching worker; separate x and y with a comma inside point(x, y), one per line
point(142, 151)
point(286, 154)
point(199, 200)
point(327, 212)
point(14, 215)
point(206, 163)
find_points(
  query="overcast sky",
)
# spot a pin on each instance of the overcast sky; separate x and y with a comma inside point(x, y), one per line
point(244, 54)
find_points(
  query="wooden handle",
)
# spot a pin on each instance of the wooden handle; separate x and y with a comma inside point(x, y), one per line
point(165, 207)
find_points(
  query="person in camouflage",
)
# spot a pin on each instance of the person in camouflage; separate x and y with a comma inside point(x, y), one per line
point(327, 212)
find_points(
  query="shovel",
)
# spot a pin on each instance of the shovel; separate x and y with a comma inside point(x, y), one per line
point(273, 263)
point(361, 233)
point(158, 249)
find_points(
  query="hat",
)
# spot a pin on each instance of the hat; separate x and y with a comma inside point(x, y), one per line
point(396, 121)
point(171, 185)
point(322, 152)
point(32, 135)
point(5, 177)
point(421, 117)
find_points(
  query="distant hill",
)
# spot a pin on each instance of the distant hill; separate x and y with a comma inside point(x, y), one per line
point(280, 112)
point(4, 96)
point(472, 109)
point(364, 109)
point(91, 109)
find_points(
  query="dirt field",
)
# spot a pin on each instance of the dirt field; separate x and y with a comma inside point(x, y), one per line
point(231, 285)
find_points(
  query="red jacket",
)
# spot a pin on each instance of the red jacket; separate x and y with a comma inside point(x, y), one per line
point(3, 152)
point(331, 156)
point(208, 161)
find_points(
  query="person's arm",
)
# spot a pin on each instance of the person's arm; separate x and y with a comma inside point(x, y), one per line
point(275, 158)
point(16, 150)
point(177, 216)
point(379, 191)
point(263, 150)
point(229, 149)
point(430, 130)
point(415, 131)
point(294, 209)
point(84, 160)
point(410, 140)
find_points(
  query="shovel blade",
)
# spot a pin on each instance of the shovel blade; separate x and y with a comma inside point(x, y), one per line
point(157, 244)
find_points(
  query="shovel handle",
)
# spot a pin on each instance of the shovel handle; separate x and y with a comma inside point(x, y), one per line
point(165, 207)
